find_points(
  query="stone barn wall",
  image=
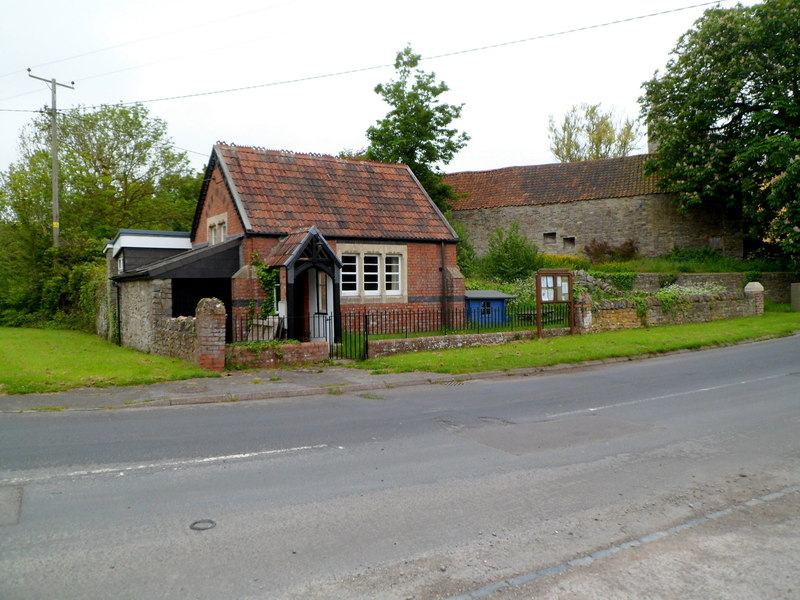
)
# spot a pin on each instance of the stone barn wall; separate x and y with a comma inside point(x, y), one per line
point(566, 227)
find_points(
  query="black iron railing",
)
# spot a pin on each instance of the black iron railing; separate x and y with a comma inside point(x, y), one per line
point(357, 328)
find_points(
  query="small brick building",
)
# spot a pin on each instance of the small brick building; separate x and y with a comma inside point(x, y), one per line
point(345, 236)
point(562, 207)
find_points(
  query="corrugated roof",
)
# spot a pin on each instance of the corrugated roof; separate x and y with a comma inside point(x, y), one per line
point(487, 295)
point(552, 184)
point(282, 192)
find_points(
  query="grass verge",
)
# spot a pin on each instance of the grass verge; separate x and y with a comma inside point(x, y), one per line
point(43, 360)
point(580, 348)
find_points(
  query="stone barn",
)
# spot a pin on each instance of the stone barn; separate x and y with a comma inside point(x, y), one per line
point(562, 207)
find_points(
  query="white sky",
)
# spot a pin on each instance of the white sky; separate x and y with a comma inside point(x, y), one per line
point(125, 50)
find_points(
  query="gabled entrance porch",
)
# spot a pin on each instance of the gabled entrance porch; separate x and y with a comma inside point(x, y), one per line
point(310, 272)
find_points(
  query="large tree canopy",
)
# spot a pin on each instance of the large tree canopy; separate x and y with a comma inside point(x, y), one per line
point(118, 169)
point(725, 115)
point(587, 132)
point(417, 131)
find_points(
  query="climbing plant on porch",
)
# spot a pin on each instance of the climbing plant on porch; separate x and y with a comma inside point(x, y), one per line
point(268, 278)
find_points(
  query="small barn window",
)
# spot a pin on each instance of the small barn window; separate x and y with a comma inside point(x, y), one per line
point(550, 237)
point(569, 242)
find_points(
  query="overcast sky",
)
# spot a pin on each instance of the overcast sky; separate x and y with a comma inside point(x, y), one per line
point(512, 63)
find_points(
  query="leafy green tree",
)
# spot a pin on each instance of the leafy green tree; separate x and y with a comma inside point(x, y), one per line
point(725, 115)
point(587, 132)
point(417, 131)
point(466, 258)
point(511, 255)
point(118, 169)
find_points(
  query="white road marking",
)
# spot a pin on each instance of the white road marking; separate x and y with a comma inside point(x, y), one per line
point(121, 471)
point(664, 397)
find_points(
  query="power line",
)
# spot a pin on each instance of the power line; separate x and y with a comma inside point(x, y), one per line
point(370, 68)
point(575, 30)
point(437, 56)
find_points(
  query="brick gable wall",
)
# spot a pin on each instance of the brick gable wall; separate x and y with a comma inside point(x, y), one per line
point(217, 201)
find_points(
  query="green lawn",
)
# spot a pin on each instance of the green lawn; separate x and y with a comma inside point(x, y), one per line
point(40, 360)
point(43, 360)
point(598, 346)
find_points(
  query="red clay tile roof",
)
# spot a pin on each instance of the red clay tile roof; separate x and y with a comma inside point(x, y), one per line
point(282, 192)
point(288, 248)
point(552, 184)
point(282, 254)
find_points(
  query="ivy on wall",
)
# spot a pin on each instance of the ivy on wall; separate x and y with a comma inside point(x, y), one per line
point(269, 279)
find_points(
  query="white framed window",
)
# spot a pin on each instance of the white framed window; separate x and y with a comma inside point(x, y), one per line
point(121, 263)
point(392, 274)
point(349, 275)
point(217, 228)
point(372, 277)
point(373, 273)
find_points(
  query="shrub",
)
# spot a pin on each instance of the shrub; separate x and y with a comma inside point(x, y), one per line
point(703, 254)
point(599, 252)
point(511, 255)
point(465, 252)
point(622, 281)
point(627, 250)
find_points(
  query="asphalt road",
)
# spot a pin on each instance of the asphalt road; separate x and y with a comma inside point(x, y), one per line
point(671, 477)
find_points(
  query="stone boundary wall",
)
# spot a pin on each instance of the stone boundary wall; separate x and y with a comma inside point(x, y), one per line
point(178, 338)
point(777, 286)
point(614, 315)
point(380, 348)
point(244, 357)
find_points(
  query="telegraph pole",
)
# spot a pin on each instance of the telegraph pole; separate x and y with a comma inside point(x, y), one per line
point(53, 84)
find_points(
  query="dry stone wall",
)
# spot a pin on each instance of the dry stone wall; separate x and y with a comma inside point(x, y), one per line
point(177, 337)
point(614, 315)
point(379, 348)
point(777, 286)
